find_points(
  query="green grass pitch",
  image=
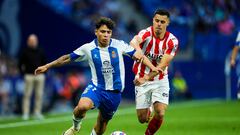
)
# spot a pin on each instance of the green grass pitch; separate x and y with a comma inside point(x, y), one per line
point(212, 117)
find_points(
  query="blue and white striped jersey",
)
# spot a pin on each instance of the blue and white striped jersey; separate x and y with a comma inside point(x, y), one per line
point(107, 65)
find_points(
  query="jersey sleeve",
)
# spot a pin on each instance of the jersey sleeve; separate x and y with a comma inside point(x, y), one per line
point(143, 34)
point(172, 46)
point(127, 49)
point(78, 54)
point(238, 39)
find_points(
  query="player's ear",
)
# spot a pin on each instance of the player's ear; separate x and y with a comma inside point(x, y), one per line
point(168, 22)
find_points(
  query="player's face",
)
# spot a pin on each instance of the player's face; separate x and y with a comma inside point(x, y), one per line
point(103, 35)
point(160, 23)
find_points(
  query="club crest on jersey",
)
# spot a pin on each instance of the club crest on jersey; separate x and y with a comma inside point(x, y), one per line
point(114, 54)
point(165, 94)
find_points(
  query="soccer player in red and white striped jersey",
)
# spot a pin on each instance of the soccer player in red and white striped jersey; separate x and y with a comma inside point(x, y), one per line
point(152, 88)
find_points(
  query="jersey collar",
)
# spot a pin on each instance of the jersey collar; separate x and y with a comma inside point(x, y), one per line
point(96, 42)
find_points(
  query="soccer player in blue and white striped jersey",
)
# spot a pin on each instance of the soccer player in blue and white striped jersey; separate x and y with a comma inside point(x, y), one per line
point(105, 57)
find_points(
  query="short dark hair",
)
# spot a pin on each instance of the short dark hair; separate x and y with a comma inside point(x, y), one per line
point(105, 21)
point(162, 12)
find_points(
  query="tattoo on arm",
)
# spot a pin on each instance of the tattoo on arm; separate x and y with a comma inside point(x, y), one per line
point(60, 61)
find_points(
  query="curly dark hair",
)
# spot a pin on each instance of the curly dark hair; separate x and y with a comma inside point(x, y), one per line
point(105, 21)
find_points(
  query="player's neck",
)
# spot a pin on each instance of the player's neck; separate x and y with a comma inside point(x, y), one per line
point(160, 35)
point(103, 45)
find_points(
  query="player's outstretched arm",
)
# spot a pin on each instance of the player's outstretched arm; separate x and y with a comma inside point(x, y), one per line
point(58, 62)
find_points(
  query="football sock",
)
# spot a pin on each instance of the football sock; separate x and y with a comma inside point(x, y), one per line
point(76, 123)
point(153, 126)
point(93, 132)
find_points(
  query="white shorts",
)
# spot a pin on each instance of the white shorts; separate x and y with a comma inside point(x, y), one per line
point(151, 92)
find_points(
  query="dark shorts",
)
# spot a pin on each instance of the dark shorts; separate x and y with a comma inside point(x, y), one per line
point(106, 101)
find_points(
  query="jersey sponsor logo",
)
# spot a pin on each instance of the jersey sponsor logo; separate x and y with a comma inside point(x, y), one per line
point(152, 56)
point(107, 68)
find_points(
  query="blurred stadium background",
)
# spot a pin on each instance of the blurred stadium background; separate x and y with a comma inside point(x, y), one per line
point(206, 30)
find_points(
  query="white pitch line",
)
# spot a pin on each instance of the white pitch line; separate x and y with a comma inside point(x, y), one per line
point(59, 119)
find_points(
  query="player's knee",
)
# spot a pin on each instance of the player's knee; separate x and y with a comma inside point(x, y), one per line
point(142, 119)
point(160, 113)
point(142, 116)
point(83, 107)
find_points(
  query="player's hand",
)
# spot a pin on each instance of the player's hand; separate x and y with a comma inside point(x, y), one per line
point(139, 81)
point(40, 70)
point(155, 69)
point(160, 70)
point(138, 56)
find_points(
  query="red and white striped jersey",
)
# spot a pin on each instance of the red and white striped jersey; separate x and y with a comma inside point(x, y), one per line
point(154, 48)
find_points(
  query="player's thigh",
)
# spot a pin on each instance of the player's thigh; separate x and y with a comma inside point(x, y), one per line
point(85, 103)
point(161, 93)
point(143, 97)
point(89, 98)
point(109, 104)
point(160, 108)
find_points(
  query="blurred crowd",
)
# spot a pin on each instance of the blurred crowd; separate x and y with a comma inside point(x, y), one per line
point(203, 14)
point(207, 27)
point(85, 12)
